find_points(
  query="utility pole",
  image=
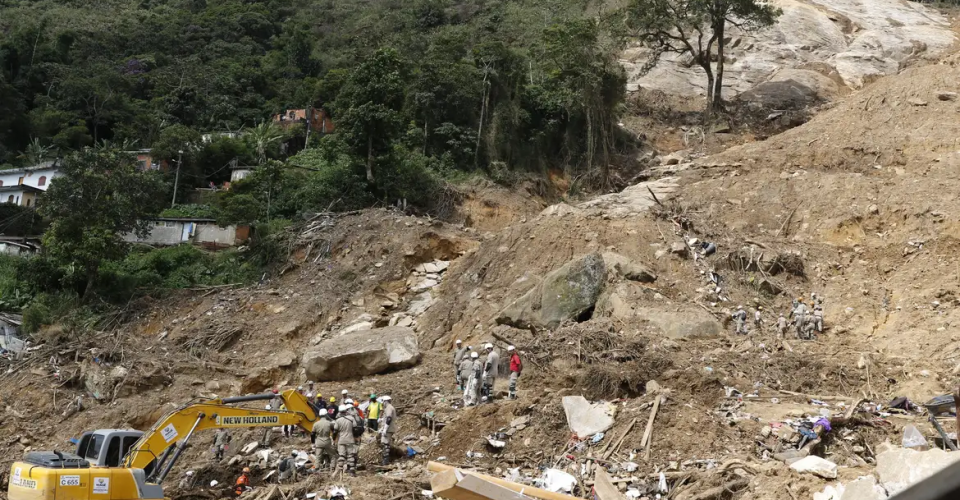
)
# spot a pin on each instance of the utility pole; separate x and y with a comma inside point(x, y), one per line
point(176, 182)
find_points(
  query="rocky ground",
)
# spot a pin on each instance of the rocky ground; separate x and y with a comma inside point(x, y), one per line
point(605, 298)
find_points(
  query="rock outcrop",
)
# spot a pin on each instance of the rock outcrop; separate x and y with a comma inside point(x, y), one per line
point(361, 353)
point(566, 293)
point(849, 42)
point(686, 323)
point(627, 268)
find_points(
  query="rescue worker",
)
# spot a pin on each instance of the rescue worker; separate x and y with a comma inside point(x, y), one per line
point(346, 442)
point(818, 317)
point(344, 396)
point(287, 429)
point(220, 441)
point(287, 468)
point(470, 392)
point(799, 317)
point(356, 407)
point(186, 482)
point(333, 408)
point(388, 429)
point(491, 368)
point(740, 316)
point(516, 366)
point(276, 401)
point(457, 358)
point(757, 318)
point(311, 393)
point(322, 436)
point(243, 482)
point(781, 326)
point(464, 370)
point(373, 413)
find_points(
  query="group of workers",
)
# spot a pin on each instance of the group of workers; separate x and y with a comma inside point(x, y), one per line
point(477, 378)
point(336, 436)
point(804, 318)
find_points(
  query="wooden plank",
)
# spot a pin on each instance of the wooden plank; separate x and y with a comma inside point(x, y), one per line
point(603, 487)
point(529, 491)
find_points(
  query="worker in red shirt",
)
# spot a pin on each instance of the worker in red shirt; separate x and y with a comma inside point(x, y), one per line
point(516, 366)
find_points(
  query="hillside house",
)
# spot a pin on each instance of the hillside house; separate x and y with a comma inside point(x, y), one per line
point(22, 186)
point(317, 120)
point(170, 231)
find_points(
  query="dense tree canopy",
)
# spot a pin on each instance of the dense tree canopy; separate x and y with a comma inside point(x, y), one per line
point(530, 84)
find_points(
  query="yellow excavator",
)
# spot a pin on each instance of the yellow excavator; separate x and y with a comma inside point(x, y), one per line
point(117, 464)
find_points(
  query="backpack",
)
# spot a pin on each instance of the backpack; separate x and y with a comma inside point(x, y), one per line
point(284, 464)
point(358, 427)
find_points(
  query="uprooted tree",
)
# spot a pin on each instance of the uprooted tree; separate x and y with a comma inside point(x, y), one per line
point(696, 27)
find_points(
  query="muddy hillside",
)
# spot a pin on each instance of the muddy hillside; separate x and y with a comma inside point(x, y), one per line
point(624, 310)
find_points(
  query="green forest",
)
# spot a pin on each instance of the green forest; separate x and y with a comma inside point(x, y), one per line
point(423, 94)
point(419, 89)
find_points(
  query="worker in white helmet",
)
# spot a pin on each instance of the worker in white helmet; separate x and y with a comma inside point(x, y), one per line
point(491, 368)
point(473, 380)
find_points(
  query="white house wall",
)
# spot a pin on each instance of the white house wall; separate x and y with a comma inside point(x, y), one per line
point(30, 177)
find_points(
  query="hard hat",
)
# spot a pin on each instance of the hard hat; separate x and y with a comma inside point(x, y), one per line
point(459, 341)
point(510, 348)
point(474, 355)
point(373, 396)
point(333, 400)
point(488, 346)
point(469, 347)
point(246, 470)
point(299, 387)
point(759, 308)
point(356, 404)
point(309, 382)
point(386, 398)
point(739, 307)
point(319, 396)
point(344, 392)
point(349, 401)
point(189, 472)
point(275, 391)
point(294, 453)
point(342, 408)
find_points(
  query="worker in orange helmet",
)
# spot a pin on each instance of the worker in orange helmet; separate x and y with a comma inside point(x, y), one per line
point(243, 482)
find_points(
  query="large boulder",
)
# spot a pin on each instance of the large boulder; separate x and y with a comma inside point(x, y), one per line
point(685, 323)
point(566, 293)
point(361, 353)
point(899, 468)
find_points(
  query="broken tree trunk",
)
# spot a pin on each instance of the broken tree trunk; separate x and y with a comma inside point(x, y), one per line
point(521, 488)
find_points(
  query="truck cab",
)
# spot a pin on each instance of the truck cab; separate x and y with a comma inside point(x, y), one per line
point(106, 447)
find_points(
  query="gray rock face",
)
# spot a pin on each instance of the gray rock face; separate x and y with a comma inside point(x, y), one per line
point(900, 467)
point(687, 323)
point(565, 293)
point(361, 353)
point(628, 268)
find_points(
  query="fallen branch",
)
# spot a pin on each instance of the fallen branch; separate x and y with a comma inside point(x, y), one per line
point(654, 196)
point(647, 433)
point(611, 451)
point(789, 217)
point(719, 491)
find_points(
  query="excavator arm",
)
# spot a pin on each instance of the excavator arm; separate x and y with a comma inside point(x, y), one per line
point(180, 424)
